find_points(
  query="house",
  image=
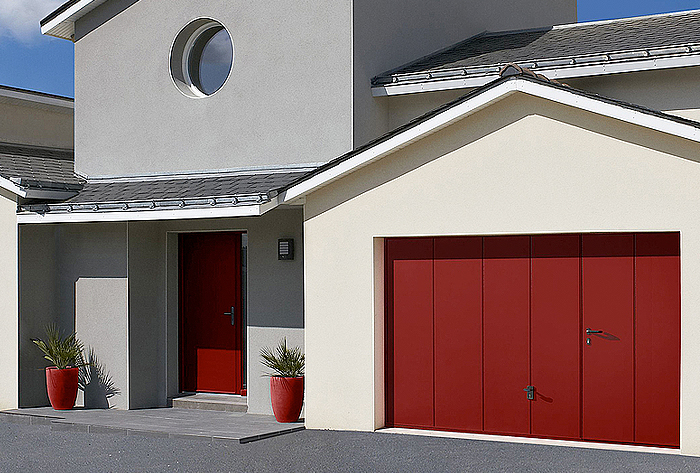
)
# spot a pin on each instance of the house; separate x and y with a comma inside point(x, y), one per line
point(470, 221)
point(36, 162)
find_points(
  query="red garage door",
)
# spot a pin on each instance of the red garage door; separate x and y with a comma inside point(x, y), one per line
point(558, 336)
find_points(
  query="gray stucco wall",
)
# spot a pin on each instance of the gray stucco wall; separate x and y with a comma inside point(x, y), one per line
point(288, 99)
point(71, 275)
point(275, 293)
point(116, 284)
point(275, 299)
point(389, 33)
point(37, 308)
point(299, 89)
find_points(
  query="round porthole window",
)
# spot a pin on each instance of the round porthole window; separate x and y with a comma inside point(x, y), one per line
point(201, 58)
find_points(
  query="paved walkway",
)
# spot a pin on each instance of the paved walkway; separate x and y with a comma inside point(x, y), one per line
point(165, 422)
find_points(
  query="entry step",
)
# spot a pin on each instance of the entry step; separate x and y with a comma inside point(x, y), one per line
point(212, 402)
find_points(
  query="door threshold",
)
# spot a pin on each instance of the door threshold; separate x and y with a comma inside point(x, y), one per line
point(531, 440)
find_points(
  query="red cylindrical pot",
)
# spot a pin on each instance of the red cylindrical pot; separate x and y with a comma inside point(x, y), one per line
point(62, 387)
point(287, 397)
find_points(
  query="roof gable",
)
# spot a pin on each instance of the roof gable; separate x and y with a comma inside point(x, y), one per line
point(481, 98)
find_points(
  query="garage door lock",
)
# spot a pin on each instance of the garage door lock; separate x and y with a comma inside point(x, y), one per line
point(530, 390)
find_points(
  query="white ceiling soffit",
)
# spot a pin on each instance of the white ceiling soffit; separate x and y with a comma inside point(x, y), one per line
point(478, 102)
point(62, 25)
point(462, 79)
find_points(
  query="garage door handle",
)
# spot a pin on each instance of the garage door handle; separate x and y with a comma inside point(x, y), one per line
point(232, 314)
point(589, 331)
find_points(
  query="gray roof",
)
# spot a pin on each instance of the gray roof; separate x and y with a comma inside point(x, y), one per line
point(125, 190)
point(631, 37)
point(168, 192)
point(38, 167)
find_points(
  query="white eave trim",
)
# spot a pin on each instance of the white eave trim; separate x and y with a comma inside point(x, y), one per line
point(482, 100)
point(144, 215)
point(62, 26)
point(554, 72)
point(12, 187)
point(33, 193)
point(37, 98)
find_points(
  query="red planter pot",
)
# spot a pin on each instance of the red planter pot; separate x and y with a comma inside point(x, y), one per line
point(287, 397)
point(62, 387)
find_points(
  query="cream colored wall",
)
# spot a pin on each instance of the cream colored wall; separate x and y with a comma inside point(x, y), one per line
point(521, 166)
point(9, 328)
point(36, 125)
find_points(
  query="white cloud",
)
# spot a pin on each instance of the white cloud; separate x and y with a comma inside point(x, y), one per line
point(19, 19)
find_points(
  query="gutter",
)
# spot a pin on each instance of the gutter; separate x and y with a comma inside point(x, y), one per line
point(36, 192)
point(557, 69)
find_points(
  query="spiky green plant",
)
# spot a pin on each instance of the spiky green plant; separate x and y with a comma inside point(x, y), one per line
point(283, 361)
point(62, 352)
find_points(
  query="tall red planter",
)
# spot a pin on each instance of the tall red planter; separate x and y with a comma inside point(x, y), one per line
point(287, 396)
point(62, 387)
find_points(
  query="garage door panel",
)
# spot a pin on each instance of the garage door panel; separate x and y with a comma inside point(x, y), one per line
point(555, 329)
point(658, 339)
point(457, 286)
point(472, 321)
point(506, 334)
point(410, 264)
point(608, 361)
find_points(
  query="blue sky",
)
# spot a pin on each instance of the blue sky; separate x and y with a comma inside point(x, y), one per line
point(32, 61)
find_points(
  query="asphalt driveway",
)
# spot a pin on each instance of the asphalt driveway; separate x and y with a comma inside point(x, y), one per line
point(37, 448)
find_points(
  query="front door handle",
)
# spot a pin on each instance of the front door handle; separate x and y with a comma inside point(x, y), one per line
point(589, 331)
point(530, 390)
point(232, 314)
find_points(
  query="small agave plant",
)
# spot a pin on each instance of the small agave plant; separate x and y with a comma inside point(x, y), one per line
point(61, 352)
point(284, 362)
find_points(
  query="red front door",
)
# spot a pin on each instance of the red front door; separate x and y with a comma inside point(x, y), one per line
point(210, 312)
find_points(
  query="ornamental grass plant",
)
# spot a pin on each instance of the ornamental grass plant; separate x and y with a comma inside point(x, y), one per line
point(284, 362)
point(61, 351)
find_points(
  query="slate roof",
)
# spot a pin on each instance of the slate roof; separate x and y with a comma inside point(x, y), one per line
point(38, 167)
point(163, 192)
point(567, 44)
point(125, 190)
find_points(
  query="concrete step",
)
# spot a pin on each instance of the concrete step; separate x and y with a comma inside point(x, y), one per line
point(212, 402)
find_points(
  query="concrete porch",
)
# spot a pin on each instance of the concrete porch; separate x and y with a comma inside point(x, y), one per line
point(159, 422)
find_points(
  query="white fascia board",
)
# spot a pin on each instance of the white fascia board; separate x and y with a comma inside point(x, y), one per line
point(480, 101)
point(558, 72)
point(12, 187)
point(65, 16)
point(48, 194)
point(134, 215)
point(400, 140)
point(634, 117)
point(34, 193)
point(22, 96)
